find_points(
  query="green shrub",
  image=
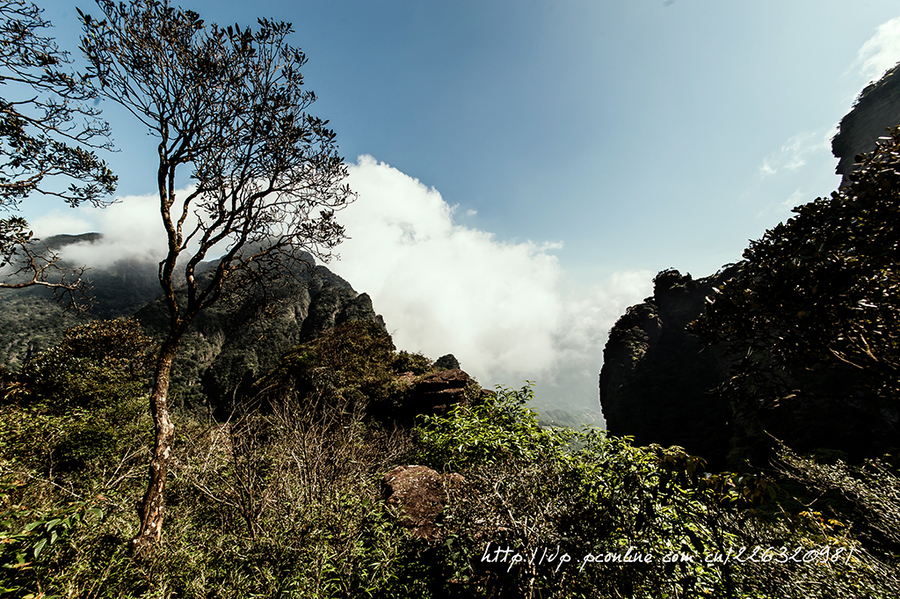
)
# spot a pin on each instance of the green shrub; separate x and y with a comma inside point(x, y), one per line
point(28, 535)
point(415, 363)
point(593, 498)
point(478, 434)
point(98, 362)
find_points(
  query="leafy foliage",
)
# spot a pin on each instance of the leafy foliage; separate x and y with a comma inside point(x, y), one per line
point(101, 361)
point(353, 361)
point(601, 499)
point(26, 534)
point(812, 314)
point(36, 129)
point(284, 499)
point(416, 363)
point(47, 133)
point(474, 435)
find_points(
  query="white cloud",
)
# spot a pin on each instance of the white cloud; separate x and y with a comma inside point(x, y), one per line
point(882, 51)
point(504, 309)
point(131, 231)
point(795, 151)
point(58, 222)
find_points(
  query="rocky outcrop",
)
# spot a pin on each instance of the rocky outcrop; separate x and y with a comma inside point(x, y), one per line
point(662, 384)
point(421, 494)
point(434, 394)
point(658, 381)
point(876, 109)
point(230, 343)
point(333, 305)
point(447, 362)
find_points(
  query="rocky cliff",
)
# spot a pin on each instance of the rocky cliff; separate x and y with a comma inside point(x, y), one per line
point(662, 384)
point(876, 109)
point(658, 381)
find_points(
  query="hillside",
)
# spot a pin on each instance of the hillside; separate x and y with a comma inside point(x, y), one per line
point(226, 342)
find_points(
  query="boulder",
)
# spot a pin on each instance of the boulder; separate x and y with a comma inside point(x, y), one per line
point(421, 494)
point(448, 362)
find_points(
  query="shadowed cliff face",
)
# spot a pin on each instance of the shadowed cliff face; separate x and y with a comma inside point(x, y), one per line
point(662, 384)
point(658, 381)
point(876, 109)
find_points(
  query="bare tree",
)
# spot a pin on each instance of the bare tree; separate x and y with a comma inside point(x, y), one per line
point(48, 133)
point(226, 104)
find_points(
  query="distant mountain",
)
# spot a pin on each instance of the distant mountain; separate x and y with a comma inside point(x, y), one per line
point(31, 321)
point(227, 342)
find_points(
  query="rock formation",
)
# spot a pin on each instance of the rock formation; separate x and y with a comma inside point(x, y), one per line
point(421, 494)
point(661, 384)
point(447, 362)
point(876, 109)
point(436, 393)
point(227, 343)
point(658, 381)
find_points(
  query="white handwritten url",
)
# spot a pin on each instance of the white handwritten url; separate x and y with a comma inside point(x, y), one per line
point(757, 554)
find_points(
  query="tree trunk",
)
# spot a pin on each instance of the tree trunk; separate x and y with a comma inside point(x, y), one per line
point(151, 509)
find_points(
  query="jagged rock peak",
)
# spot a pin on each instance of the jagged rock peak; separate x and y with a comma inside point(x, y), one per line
point(876, 109)
point(657, 378)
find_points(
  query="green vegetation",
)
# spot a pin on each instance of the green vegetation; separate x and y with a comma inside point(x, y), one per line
point(285, 498)
point(811, 318)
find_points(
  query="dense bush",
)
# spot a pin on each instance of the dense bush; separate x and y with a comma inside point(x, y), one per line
point(811, 317)
point(285, 500)
point(103, 361)
point(598, 501)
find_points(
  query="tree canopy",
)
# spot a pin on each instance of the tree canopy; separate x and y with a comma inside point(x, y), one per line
point(228, 105)
point(48, 133)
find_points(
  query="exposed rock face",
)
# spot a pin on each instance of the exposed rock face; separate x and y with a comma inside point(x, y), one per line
point(660, 384)
point(876, 109)
point(448, 362)
point(658, 381)
point(436, 393)
point(229, 344)
point(334, 304)
point(421, 494)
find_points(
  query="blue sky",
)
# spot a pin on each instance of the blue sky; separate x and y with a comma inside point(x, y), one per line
point(549, 157)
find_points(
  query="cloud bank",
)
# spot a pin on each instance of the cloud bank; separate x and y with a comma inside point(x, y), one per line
point(131, 231)
point(505, 309)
